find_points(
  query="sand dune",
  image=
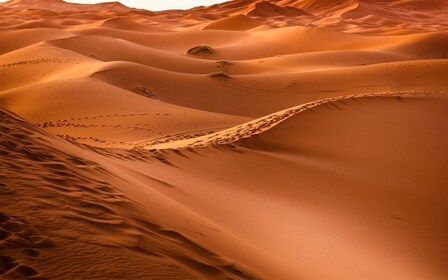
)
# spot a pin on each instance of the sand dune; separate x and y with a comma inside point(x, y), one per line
point(266, 9)
point(60, 5)
point(104, 221)
point(249, 139)
point(357, 201)
point(237, 22)
point(16, 39)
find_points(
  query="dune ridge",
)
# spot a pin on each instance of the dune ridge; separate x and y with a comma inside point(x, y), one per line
point(254, 127)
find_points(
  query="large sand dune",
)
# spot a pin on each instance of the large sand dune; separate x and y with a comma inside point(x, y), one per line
point(250, 139)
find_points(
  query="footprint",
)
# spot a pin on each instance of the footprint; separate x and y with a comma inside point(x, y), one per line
point(14, 227)
point(3, 218)
point(6, 264)
point(31, 253)
point(4, 235)
point(24, 270)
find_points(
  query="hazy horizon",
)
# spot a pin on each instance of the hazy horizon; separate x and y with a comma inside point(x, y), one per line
point(153, 5)
point(157, 5)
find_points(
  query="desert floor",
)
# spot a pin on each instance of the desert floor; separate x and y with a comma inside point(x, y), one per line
point(246, 140)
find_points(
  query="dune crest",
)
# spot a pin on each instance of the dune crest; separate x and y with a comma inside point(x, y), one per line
point(255, 127)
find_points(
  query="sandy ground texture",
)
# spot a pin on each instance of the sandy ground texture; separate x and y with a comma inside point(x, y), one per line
point(284, 139)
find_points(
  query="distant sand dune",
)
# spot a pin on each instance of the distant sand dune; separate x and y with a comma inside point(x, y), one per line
point(237, 22)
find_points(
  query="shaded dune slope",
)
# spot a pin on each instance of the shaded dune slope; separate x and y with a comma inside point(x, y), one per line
point(51, 215)
point(382, 196)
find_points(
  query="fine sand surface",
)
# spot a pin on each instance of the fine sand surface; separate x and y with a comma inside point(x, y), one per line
point(251, 139)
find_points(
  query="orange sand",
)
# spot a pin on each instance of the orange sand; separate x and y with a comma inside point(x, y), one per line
point(309, 141)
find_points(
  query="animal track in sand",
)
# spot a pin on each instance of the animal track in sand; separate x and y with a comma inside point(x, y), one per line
point(77, 139)
point(74, 123)
point(181, 136)
point(260, 125)
point(68, 122)
point(41, 60)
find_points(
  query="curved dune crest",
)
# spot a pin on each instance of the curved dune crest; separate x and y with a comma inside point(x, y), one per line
point(124, 23)
point(348, 179)
point(255, 127)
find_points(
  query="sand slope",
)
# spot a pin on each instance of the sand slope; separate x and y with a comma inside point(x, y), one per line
point(300, 140)
point(348, 221)
point(63, 186)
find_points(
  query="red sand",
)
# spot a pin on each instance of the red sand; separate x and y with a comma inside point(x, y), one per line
point(301, 140)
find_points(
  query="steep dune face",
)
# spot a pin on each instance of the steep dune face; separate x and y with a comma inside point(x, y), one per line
point(245, 140)
point(364, 172)
point(326, 7)
point(362, 217)
point(238, 22)
point(266, 9)
point(398, 11)
point(427, 46)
